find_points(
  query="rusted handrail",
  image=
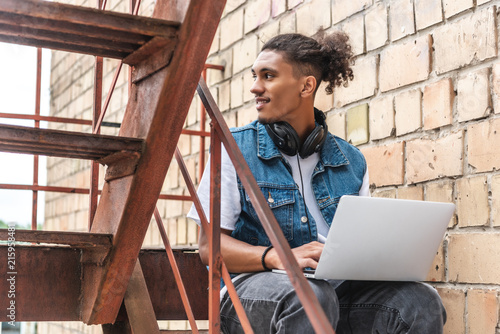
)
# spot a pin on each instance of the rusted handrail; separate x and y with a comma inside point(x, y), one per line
point(245, 323)
point(177, 273)
point(304, 291)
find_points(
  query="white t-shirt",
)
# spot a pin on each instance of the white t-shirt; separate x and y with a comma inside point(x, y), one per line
point(230, 199)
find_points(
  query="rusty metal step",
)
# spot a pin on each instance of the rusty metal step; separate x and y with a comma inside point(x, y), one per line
point(20, 139)
point(73, 239)
point(85, 30)
point(48, 282)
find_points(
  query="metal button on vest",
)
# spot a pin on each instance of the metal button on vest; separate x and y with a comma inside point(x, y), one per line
point(303, 219)
point(270, 200)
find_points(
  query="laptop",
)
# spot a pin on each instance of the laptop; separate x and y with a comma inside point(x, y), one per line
point(383, 239)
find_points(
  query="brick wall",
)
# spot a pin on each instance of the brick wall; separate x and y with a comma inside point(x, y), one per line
point(422, 108)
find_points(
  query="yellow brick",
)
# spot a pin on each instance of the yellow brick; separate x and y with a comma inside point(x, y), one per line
point(482, 149)
point(437, 104)
point(454, 303)
point(482, 311)
point(472, 201)
point(473, 258)
point(385, 164)
point(357, 124)
point(431, 159)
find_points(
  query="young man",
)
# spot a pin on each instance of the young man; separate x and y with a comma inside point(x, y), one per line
point(302, 170)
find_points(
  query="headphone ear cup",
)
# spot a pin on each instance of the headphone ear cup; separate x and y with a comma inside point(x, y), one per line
point(313, 142)
point(284, 136)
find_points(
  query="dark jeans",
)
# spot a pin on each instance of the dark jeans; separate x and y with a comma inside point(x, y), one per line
point(360, 307)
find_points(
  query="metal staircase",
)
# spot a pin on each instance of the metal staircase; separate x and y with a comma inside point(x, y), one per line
point(103, 276)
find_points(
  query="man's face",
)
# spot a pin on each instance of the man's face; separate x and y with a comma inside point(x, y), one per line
point(277, 91)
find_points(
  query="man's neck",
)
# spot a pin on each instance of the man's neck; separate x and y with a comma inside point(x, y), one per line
point(304, 123)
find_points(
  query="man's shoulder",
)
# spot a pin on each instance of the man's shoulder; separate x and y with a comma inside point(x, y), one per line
point(245, 128)
point(338, 147)
point(343, 144)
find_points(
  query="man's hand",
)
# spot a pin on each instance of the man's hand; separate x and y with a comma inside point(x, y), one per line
point(307, 256)
point(241, 257)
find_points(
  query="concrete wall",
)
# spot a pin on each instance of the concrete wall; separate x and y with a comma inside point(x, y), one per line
point(422, 107)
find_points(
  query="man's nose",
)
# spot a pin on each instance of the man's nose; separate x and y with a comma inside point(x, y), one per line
point(256, 87)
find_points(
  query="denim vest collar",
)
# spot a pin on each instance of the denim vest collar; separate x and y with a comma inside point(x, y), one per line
point(331, 155)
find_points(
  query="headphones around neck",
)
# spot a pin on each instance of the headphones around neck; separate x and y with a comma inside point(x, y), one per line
point(288, 141)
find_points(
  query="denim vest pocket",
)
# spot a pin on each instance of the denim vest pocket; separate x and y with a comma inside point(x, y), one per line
point(328, 206)
point(281, 202)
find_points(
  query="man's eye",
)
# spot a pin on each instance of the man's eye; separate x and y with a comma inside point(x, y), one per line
point(269, 75)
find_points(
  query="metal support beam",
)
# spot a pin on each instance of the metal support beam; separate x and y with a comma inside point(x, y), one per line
point(139, 308)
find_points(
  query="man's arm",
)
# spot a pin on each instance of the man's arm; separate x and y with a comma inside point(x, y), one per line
point(241, 257)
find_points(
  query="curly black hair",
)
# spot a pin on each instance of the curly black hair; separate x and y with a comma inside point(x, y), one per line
point(328, 59)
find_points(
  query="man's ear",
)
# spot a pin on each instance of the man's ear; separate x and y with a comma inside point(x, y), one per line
point(309, 86)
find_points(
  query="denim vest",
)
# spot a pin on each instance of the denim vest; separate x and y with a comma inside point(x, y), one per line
point(339, 171)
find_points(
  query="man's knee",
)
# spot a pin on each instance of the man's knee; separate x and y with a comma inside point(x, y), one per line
point(426, 309)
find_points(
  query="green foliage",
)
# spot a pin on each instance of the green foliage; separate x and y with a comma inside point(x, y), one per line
point(3, 224)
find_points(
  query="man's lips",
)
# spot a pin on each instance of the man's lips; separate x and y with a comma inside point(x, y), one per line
point(260, 102)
